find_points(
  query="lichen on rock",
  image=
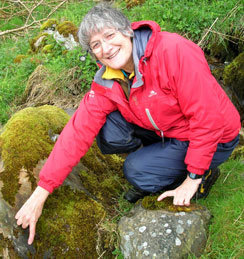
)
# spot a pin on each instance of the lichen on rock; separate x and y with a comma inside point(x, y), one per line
point(25, 141)
point(162, 233)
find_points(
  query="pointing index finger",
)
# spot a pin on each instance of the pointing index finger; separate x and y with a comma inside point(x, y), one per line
point(165, 194)
point(32, 231)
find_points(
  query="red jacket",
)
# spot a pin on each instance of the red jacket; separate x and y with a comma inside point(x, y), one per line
point(173, 93)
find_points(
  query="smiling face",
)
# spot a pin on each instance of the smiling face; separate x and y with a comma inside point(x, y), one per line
point(113, 49)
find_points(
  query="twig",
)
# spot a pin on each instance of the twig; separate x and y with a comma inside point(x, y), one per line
point(204, 36)
point(54, 10)
point(227, 37)
point(34, 22)
point(20, 28)
point(30, 12)
point(229, 173)
point(239, 217)
point(26, 9)
point(231, 12)
point(100, 256)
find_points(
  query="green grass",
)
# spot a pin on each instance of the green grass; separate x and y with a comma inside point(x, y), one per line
point(225, 202)
point(189, 18)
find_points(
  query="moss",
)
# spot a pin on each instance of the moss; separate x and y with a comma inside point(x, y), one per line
point(38, 42)
point(238, 153)
point(234, 75)
point(132, 3)
point(218, 73)
point(51, 23)
point(68, 226)
point(103, 178)
point(47, 49)
point(6, 248)
point(66, 28)
point(19, 58)
point(25, 141)
point(151, 203)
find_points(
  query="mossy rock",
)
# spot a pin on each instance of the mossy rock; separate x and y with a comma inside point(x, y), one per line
point(65, 28)
point(25, 141)
point(103, 177)
point(38, 42)
point(151, 203)
point(49, 24)
point(68, 226)
point(234, 75)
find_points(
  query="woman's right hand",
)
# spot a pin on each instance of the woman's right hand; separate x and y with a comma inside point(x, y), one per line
point(30, 212)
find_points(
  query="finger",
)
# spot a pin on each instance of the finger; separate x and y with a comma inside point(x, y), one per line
point(165, 194)
point(32, 231)
point(17, 215)
point(19, 221)
point(25, 225)
point(178, 200)
point(187, 202)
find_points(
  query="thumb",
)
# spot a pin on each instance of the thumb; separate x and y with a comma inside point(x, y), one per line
point(165, 194)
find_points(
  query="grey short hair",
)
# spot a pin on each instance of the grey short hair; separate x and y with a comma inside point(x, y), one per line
point(99, 17)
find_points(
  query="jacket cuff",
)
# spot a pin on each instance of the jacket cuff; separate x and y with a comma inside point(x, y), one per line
point(195, 170)
point(45, 186)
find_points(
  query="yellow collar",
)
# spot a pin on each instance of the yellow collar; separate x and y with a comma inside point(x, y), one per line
point(111, 73)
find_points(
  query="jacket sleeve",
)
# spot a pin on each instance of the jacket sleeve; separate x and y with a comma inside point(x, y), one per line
point(75, 139)
point(198, 96)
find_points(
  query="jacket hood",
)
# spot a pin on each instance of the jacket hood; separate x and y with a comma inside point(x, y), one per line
point(145, 30)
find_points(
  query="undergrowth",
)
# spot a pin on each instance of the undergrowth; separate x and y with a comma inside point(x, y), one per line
point(189, 18)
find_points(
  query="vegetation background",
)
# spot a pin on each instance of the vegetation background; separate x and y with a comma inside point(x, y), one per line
point(217, 26)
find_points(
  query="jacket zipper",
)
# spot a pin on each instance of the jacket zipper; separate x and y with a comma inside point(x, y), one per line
point(154, 124)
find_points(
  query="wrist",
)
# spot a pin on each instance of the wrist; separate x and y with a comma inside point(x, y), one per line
point(194, 176)
point(41, 194)
point(193, 181)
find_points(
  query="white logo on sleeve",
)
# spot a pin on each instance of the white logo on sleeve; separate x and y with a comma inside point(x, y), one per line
point(152, 93)
point(91, 94)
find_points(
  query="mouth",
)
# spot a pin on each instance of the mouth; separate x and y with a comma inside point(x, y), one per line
point(114, 54)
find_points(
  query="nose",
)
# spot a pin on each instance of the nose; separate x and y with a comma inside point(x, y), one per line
point(106, 47)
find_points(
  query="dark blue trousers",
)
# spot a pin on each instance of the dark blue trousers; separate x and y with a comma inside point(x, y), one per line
point(151, 165)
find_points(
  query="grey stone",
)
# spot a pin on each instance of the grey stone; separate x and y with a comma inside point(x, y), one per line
point(163, 234)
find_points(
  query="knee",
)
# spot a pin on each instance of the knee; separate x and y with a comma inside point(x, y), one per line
point(134, 173)
point(130, 166)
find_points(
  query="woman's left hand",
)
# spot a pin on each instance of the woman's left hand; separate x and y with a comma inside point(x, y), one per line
point(182, 194)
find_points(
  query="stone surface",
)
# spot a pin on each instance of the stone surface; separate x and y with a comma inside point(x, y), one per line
point(163, 234)
point(72, 218)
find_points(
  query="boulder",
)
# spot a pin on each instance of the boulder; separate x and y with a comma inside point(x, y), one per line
point(72, 221)
point(24, 141)
point(171, 232)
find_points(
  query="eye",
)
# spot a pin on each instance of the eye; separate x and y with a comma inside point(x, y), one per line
point(95, 45)
point(110, 35)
